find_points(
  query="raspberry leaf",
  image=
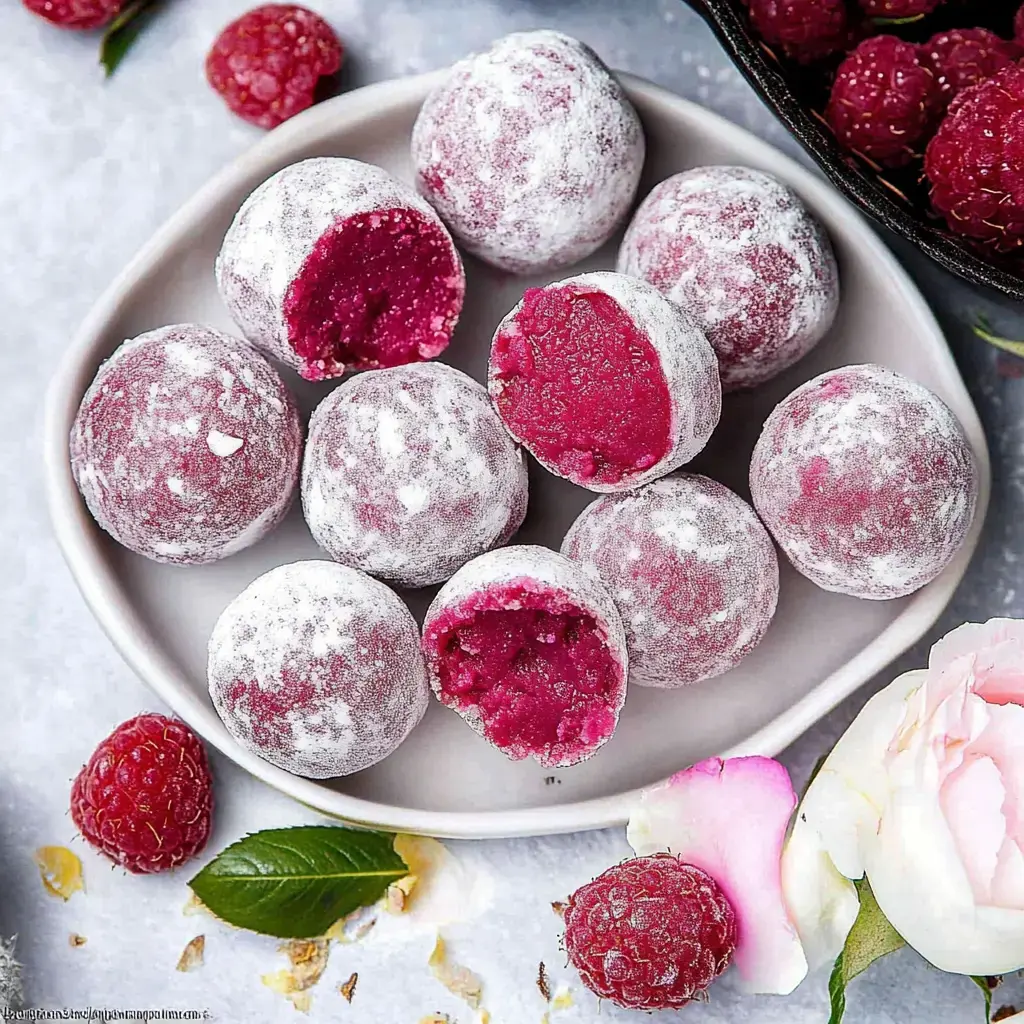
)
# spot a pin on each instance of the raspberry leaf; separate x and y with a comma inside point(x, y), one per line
point(295, 883)
point(122, 32)
point(987, 986)
point(870, 938)
point(983, 329)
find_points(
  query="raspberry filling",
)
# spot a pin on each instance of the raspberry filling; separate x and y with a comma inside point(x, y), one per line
point(379, 289)
point(581, 386)
point(534, 669)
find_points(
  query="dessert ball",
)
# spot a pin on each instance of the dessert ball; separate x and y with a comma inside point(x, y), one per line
point(691, 570)
point(317, 668)
point(333, 265)
point(530, 152)
point(530, 651)
point(866, 480)
point(409, 474)
point(605, 381)
point(187, 445)
point(740, 252)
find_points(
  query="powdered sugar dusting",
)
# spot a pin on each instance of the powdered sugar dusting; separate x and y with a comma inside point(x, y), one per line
point(187, 445)
point(277, 228)
point(866, 480)
point(687, 361)
point(316, 667)
point(691, 569)
point(409, 474)
point(742, 254)
point(530, 152)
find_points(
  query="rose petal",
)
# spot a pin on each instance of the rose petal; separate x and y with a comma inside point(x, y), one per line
point(972, 637)
point(994, 651)
point(1008, 880)
point(921, 886)
point(730, 818)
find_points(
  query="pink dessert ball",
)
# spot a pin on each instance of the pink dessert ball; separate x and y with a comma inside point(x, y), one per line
point(604, 381)
point(530, 651)
point(333, 265)
point(743, 255)
point(409, 474)
point(867, 482)
point(187, 445)
point(530, 152)
point(691, 570)
point(317, 668)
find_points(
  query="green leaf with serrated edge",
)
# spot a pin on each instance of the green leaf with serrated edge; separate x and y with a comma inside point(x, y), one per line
point(983, 329)
point(296, 882)
point(870, 938)
point(122, 32)
point(987, 986)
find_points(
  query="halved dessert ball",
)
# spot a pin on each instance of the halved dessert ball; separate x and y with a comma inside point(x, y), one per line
point(604, 381)
point(409, 474)
point(530, 152)
point(187, 445)
point(317, 668)
point(691, 569)
point(866, 480)
point(739, 251)
point(334, 265)
point(530, 651)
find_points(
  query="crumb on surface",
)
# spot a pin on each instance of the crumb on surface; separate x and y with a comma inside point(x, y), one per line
point(308, 958)
point(76, 941)
point(192, 955)
point(348, 989)
point(562, 999)
point(559, 908)
point(60, 871)
point(542, 982)
point(459, 980)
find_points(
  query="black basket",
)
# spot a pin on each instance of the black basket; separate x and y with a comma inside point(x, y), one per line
point(897, 199)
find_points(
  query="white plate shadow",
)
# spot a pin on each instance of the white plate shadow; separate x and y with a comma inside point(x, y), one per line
point(445, 780)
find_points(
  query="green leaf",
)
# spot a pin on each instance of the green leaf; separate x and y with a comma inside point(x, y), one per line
point(870, 938)
point(908, 20)
point(983, 329)
point(296, 882)
point(988, 986)
point(123, 31)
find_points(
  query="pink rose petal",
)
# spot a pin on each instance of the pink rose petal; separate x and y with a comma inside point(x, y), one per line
point(730, 819)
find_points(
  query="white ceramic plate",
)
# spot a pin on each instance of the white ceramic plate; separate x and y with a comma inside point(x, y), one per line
point(445, 780)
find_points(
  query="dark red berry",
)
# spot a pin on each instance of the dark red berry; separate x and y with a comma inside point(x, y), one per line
point(650, 933)
point(975, 163)
point(79, 14)
point(805, 30)
point(965, 56)
point(884, 102)
point(145, 798)
point(898, 9)
point(267, 64)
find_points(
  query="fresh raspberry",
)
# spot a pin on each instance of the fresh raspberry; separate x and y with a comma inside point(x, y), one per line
point(898, 9)
point(965, 56)
point(145, 798)
point(806, 30)
point(267, 63)
point(79, 14)
point(884, 101)
point(650, 933)
point(975, 163)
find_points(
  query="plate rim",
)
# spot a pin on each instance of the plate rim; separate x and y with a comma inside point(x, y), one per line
point(119, 621)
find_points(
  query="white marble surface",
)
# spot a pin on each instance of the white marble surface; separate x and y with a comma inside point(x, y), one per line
point(87, 171)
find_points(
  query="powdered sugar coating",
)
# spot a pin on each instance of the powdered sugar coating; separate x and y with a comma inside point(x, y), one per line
point(530, 152)
point(563, 586)
point(408, 474)
point(742, 254)
point(276, 230)
point(686, 359)
point(316, 667)
point(691, 569)
point(866, 480)
point(187, 445)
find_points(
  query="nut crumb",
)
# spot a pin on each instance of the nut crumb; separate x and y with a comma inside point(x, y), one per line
point(459, 980)
point(308, 958)
point(563, 998)
point(75, 940)
point(348, 990)
point(559, 908)
point(436, 1018)
point(192, 955)
point(60, 870)
point(194, 905)
point(542, 982)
